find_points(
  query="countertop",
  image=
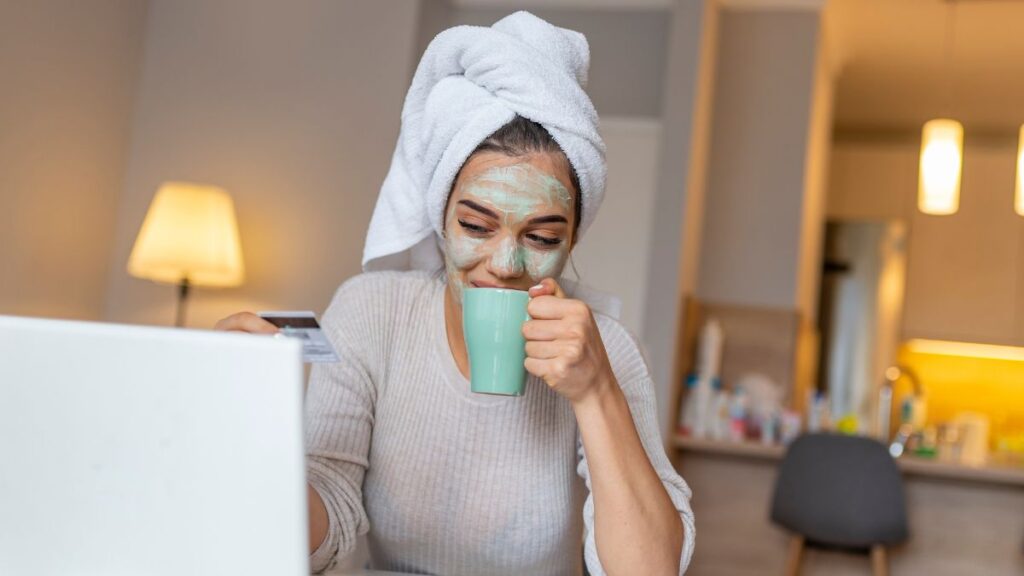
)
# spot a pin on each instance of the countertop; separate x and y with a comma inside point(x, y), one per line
point(911, 466)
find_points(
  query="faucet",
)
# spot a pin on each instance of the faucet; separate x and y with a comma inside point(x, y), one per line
point(894, 374)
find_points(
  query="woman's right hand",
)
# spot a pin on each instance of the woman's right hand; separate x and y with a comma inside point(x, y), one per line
point(245, 322)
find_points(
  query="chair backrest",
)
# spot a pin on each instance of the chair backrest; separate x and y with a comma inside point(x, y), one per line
point(840, 491)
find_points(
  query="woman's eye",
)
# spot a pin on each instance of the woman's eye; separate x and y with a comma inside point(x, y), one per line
point(473, 227)
point(543, 240)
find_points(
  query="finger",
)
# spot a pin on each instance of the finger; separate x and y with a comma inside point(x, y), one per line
point(553, 308)
point(553, 369)
point(547, 287)
point(536, 367)
point(246, 322)
point(544, 330)
point(541, 289)
point(558, 289)
point(543, 350)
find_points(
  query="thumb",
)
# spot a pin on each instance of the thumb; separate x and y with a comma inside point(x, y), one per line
point(546, 287)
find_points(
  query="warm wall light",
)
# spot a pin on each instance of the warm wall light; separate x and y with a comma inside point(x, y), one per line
point(966, 349)
point(1018, 203)
point(941, 159)
point(190, 238)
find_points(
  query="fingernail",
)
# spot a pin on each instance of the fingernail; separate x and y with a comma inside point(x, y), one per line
point(537, 286)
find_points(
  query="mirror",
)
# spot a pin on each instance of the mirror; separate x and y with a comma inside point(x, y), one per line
point(860, 313)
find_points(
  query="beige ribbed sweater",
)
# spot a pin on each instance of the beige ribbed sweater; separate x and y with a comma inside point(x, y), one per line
point(445, 481)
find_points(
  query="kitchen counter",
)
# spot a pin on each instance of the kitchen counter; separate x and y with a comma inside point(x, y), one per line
point(962, 520)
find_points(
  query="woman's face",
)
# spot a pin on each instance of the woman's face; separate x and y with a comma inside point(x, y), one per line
point(508, 222)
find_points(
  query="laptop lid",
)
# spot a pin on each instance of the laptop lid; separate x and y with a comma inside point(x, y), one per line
point(140, 450)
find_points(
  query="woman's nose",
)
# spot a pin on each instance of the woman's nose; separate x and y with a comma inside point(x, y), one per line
point(507, 261)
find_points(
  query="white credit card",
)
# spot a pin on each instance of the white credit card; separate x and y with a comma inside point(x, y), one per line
point(303, 325)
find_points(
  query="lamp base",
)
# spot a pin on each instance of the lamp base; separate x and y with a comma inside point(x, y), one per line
point(179, 315)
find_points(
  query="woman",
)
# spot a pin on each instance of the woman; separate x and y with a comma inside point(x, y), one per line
point(445, 481)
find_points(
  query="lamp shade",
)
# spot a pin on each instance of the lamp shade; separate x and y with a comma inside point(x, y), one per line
point(941, 157)
point(189, 233)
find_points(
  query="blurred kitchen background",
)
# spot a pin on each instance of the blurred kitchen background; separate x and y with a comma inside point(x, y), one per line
point(796, 252)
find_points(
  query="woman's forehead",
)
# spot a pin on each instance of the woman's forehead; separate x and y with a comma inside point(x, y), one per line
point(550, 163)
point(514, 184)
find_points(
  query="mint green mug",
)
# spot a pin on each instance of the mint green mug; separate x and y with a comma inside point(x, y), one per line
point(492, 323)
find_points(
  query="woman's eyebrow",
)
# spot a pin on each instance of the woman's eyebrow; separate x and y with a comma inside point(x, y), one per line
point(538, 220)
point(547, 219)
point(479, 208)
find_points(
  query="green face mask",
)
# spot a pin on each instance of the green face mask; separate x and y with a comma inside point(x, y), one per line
point(516, 193)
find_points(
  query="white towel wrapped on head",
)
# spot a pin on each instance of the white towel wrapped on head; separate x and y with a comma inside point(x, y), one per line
point(470, 82)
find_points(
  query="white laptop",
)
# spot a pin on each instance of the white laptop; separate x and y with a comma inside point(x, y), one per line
point(135, 450)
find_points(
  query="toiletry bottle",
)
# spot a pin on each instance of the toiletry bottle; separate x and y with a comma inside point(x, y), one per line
point(688, 415)
point(738, 416)
point(698, 414)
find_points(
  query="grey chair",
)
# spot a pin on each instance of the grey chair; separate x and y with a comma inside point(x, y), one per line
point(840, 492)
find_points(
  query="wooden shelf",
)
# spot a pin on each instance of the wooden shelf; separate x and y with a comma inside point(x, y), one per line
point(911, 466)
point(748, 449)
point(991, 473)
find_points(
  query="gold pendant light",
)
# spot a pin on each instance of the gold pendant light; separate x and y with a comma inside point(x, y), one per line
point(941, 157)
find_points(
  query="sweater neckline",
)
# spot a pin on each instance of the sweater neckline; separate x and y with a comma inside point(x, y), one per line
point(453, 378)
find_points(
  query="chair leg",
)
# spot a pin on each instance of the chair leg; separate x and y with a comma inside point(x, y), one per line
point(796, 551)
point(879, 561)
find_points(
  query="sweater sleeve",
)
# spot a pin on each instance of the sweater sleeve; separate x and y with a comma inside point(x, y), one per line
point(339, 420)
point(638, 388)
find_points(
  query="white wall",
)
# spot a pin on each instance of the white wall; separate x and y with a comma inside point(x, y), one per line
point(754, 235)
point(293, 107)
point(674, 249)
point(68, 72)
point(627, 49)
point(613, 254)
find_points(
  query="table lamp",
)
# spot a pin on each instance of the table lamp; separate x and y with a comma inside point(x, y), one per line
point(189, 238)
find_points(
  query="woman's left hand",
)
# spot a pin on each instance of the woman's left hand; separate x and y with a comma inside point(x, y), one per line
point(564, 346)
